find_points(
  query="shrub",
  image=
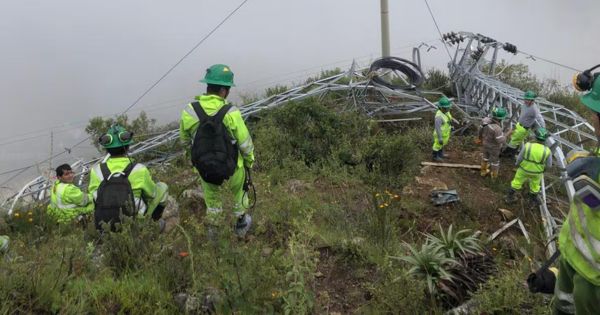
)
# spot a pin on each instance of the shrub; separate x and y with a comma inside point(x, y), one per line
point(429, 264)
point(456, 244)
point(305, 131)
point(508, 294)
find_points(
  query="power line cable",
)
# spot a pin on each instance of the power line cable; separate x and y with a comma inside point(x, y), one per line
point(186, 55)
point(139, 98)
point(549, 61)
point(438, 29)
point(80, 123)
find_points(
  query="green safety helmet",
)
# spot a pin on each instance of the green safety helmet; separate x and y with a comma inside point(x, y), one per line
point(530, 95)
point(219, 75)
point(499, 113)
point(592, 98)
point(541, 134)
point(4, 240)
point(116, 137)
point(444, 102)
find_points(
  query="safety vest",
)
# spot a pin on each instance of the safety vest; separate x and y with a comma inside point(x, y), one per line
point(446, 127)
point(579, 241)
point(67, 201)
point(534, 158)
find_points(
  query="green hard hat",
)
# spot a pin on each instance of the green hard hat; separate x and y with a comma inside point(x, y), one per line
point(4, 240)
point(219, 75)
point(499, 113)
point(444, 102)
point(541, 134)
point(592, 98)
point(530, 95)
point(116, 137)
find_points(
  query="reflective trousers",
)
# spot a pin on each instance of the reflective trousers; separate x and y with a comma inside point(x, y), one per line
point(535, 181)
point(212, 194)
point(573, 294)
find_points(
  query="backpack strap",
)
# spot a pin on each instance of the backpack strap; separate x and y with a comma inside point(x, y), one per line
point(203, 116)
point(129, 168)
point(200, 111)
point(222, 112)
point(105, 171)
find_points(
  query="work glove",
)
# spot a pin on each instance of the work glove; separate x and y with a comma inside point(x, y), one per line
point(478, 141)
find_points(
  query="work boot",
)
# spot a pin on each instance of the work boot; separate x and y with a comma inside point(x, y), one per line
point(437, 157)
point(511, 196)
point(442, 155)
point(212, 233)
point(509, 152)
point(243, 225)
point(494, 172)
point(484, 169)
point(162, 224)
point(535, 199)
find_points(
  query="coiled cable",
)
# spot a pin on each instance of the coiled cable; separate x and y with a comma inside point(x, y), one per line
point(412, 71)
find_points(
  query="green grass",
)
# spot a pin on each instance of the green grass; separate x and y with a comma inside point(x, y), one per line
point(329, 216)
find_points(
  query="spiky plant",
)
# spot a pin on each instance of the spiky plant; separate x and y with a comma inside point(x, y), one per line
point(428, 263)
point(455, 244)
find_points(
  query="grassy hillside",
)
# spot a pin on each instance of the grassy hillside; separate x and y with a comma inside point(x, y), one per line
point(341, 202)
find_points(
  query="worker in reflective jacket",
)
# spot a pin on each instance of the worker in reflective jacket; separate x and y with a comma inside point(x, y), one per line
point(150, 197)
point(443, 127)
point(578, 285)
point(530, 117)
point(219, 80)
point(67, 201)
point(532, 162)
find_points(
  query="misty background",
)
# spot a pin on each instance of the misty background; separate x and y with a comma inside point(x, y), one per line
point(63, 62)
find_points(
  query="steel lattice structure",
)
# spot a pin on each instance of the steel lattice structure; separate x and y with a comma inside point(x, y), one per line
point(478, 92)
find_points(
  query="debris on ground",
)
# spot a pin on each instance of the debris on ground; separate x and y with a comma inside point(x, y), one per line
point(442, 197)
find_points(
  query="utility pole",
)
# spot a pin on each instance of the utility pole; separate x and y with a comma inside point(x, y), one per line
point(385, 29)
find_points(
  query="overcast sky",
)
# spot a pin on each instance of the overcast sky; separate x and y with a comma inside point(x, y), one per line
point(64, 61)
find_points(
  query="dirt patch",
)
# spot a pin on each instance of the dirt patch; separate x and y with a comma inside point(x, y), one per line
point(339, 286)
point(480, 197)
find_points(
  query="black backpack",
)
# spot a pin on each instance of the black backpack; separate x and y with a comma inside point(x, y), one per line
point(214, 153)
point(114, 197)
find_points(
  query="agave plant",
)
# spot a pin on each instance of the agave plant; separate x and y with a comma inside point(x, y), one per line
point(456, 244)
point(429, 263)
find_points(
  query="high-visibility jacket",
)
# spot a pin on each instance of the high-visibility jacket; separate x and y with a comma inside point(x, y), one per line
point(233, 121)
point(445, 128)
point(535, 156)
point(146, 193)
point(67, 202)
point(579, 241)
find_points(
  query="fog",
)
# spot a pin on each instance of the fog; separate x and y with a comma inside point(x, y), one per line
point(65, 61)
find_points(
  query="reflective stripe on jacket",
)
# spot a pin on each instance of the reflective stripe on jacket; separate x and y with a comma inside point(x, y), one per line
point(67, 202)
point(579, 241)
point(233, 122)
point(535, 156)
